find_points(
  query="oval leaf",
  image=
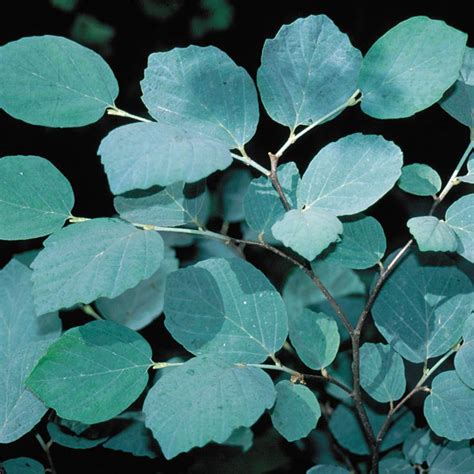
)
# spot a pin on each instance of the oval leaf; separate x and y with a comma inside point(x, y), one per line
point(464, 359)
point(203, 90)
point(350, 175)
point(410, 67)
point(456, 458)
point(101, 367)
point(22, 466)
point(460, 217)
point(35, 198)
point(113, 257)
point(317, 60)
point(234, 185)
point(417, 446)
point(226, 307)
point(55, 82)
point(431, 234)
point(419, 179)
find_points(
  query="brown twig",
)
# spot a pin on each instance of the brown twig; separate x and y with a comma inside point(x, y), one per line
point(276, 182)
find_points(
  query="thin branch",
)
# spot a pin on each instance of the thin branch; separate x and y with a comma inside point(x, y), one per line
point(46, 447)
point(122, 113)
point(90, 311)
point(276, 182)
point(249, 162)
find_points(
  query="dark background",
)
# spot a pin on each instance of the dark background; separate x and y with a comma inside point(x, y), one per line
point(430, 136)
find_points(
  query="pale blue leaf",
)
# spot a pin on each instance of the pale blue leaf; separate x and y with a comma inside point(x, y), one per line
point(205, 400)
point(309, 69)
point(22, 466)
point(464, 359)
point(142, 155)
point(417, 446)
point(469, 177)
point(203, 90)
point(419, 179)
point(226, 307)
point(341, 369)
point(241, 437)
point(410, 67)
point(395, 465)
point(55, 82)
point(422, 307)
point(460, 217)
point(432, 234)
point(234, 185)
point(113, 257)
point(351, 174)
point(35, 198)
point(296, 411)
point(454, 458)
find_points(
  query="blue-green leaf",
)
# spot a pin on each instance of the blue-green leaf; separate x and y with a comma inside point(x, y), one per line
point(382, 373)
point(417, 446)
point(226, 307)
point(55, 82)
point(460, 217)
point(113, 257)
point(308, 231)
point(233, 188)
point(203, 90)
point(205, 400)
point(241, 437)
point(469, 177)
point(459, 100)
point(395, 465)
point(453, 458)
point(464, 359)
point(93, 372)
point(422, 307)
point(309, 69)
point(35, 198)
point(363, 243)
point(263, 206)
point(449, 408)
point(315, 338)
point(22, 466)
point(296, 411)
point(327, 469)
point(432, 234)
point(410, 67)
point(141, 155)
point(419, 179)
point(350, 175)
point(71, 440)
point(341, 369)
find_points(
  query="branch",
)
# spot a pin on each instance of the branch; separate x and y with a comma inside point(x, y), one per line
point(46, 448)
point(249, 162)
point(276, 182)
point(121, 113)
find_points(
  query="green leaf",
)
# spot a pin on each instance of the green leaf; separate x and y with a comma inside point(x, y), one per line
point(341, 369)
point(100, 257)
point(309, 69)
point(64, 5)
point(432, 234)
point(87, 29)
point(327, 469)
point(459, 217)
point(307, 232)
point(93, 372)
point(315, 338)
point(22, 466)
point(226, 307)
point(469, 177)
point(262, 205)
point(395, 465)
point(351, 174)
point(459, 100)
point(296, 411)
point(346, 429)
point(449, 408)
point(202, 90)
point(454, 458)
point(71, 440)
point(24, 339)
point(35, 198)
point(234, 185)
point(464, 359)
point(204, 400)
point(241, 437)
point(410, 67)
point(417, 446)
point(419, 179)
point(363, 243)
point(422, 307)
point(52, 81)
point(382, 373)
point(142, 155)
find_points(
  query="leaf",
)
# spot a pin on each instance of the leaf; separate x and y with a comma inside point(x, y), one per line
point(327, 469)
point(25, 337)
point(22, 466)
point(459, 100)
point(315, 338)
point(395, 465)
point(93, 372)
point(449, 408)
point(202, 90)
point(35, 198)
point(351, 174)
point(345, 427)
point(459, 217)
point(432, 234)
point(204, 400)
point(141, 155)
point(363, 243)
point(87, 29)
point(140, 305)
point(113, 257)
point(233, 189)
point(422, 307)
point(262, 205)
point(417, 446)
point(55, 82)
point(241, 437)
point(341, 369)
point(452, 458)
point(419, 179)
point(382, 373)
point(70, 440)
point(464, 359)
point(309, 69)
point(296, 411)
point(225, 307)
point(410, 67)
point(469, 177)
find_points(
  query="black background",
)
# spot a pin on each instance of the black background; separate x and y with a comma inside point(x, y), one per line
point(430, 136)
